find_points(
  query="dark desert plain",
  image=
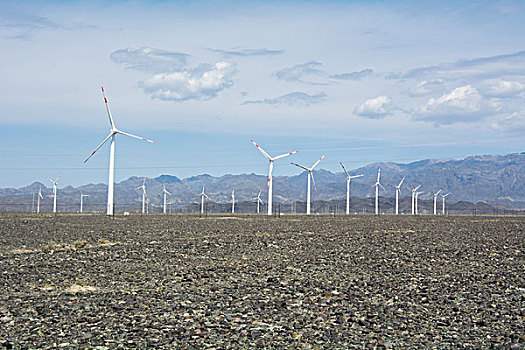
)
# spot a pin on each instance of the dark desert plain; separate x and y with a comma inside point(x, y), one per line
point(246, 282)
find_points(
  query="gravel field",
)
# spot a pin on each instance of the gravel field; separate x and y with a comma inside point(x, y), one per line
point(247, 282)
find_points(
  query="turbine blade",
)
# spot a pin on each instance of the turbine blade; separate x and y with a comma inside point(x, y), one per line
point(96, 149)
point(381, 186)
point(320, 159)
point(346, 172)
point(313, 180)
point(285, 155)
point(378, 174)
point(403, 179)
point(300, 166)
point(356, 176)
point(107, 108)
point(262, 151)
point(136, 137)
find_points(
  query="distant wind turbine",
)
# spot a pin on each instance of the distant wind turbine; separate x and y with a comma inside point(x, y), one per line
point(435, 201)
point(165, 192)
point(233, 201)
point(417, 195)
point(55, 183)
point(444, 196)
point(414, 190)
point(112, 133)
point(398, 191)
point(202, 194)
point(270, 179)
point(144, 195)
point(259, 201)
point(348, 180)
point(377, 185)
point(82, 201)
point(38, 200)
point(309, 175)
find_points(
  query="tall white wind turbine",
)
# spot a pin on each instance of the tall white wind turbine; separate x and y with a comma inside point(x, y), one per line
point(377, 185)
point(202, 194)
point(259, 201)
point(112, 133)
point(414, 190)
point(82, 195)
point(55, 183)
point(144, 195)
point(270, 179)
point(233, 201)
point(165, 192)
point(444, 196)
point(435, 201)
point(417, 196)
point(38, 200)
point(348, 180)
point(398, 192)
point(309, 175)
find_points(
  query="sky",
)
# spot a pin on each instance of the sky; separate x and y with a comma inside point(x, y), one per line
point(362, 81)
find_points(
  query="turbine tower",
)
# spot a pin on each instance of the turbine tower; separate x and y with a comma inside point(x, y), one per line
point(82, 201)
point(270, 179)
point(417, 195)
point(38, 200)
point(435, 201)
point(414, 190)
point(165, 192)
point(348, 180)
point(202, 194)
point(259, 201)
point(55, 183)
point(112, 133)
point(233, 201)
point(377, 185)
point(309, 175)
point(444, 196)
point(144, 195)
point(398, 192)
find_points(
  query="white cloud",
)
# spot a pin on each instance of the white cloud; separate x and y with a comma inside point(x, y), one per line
point(502, 88)
point(294, 98)
point(513, 123)
point(427, 87)
point(300, 71)
point(150, 60)
point(203, 82)
point(353, 75)
point(463, 104)
point(247, 52)
point(375, 108)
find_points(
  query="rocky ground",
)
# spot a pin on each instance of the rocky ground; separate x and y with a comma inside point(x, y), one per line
point(246, 282)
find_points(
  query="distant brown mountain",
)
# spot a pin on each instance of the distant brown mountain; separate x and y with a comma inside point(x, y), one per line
point(495, 180)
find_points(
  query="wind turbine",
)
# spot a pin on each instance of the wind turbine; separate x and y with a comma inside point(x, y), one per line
point(348, 179)
point(144, 195)
point(82, 200)
point(165, 192)
point(270, 179)
point(233, 201)
point(444, 196)
point(435, 201)
point(112, 133)
point(309, 175)
point(398, 191)
point(259, 201)
point(38, 200)
point(417, 195)
point(202, 194)
point(377, 185)
point(55, 183)
point(414, 190)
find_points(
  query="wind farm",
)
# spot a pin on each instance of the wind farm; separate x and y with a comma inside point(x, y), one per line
point(382, 206)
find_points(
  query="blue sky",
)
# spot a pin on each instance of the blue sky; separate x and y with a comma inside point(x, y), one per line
point(359, 81)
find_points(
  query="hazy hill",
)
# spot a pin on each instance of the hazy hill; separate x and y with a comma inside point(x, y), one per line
point(495, 180)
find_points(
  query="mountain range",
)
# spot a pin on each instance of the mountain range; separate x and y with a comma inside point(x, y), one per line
point(492, 179)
